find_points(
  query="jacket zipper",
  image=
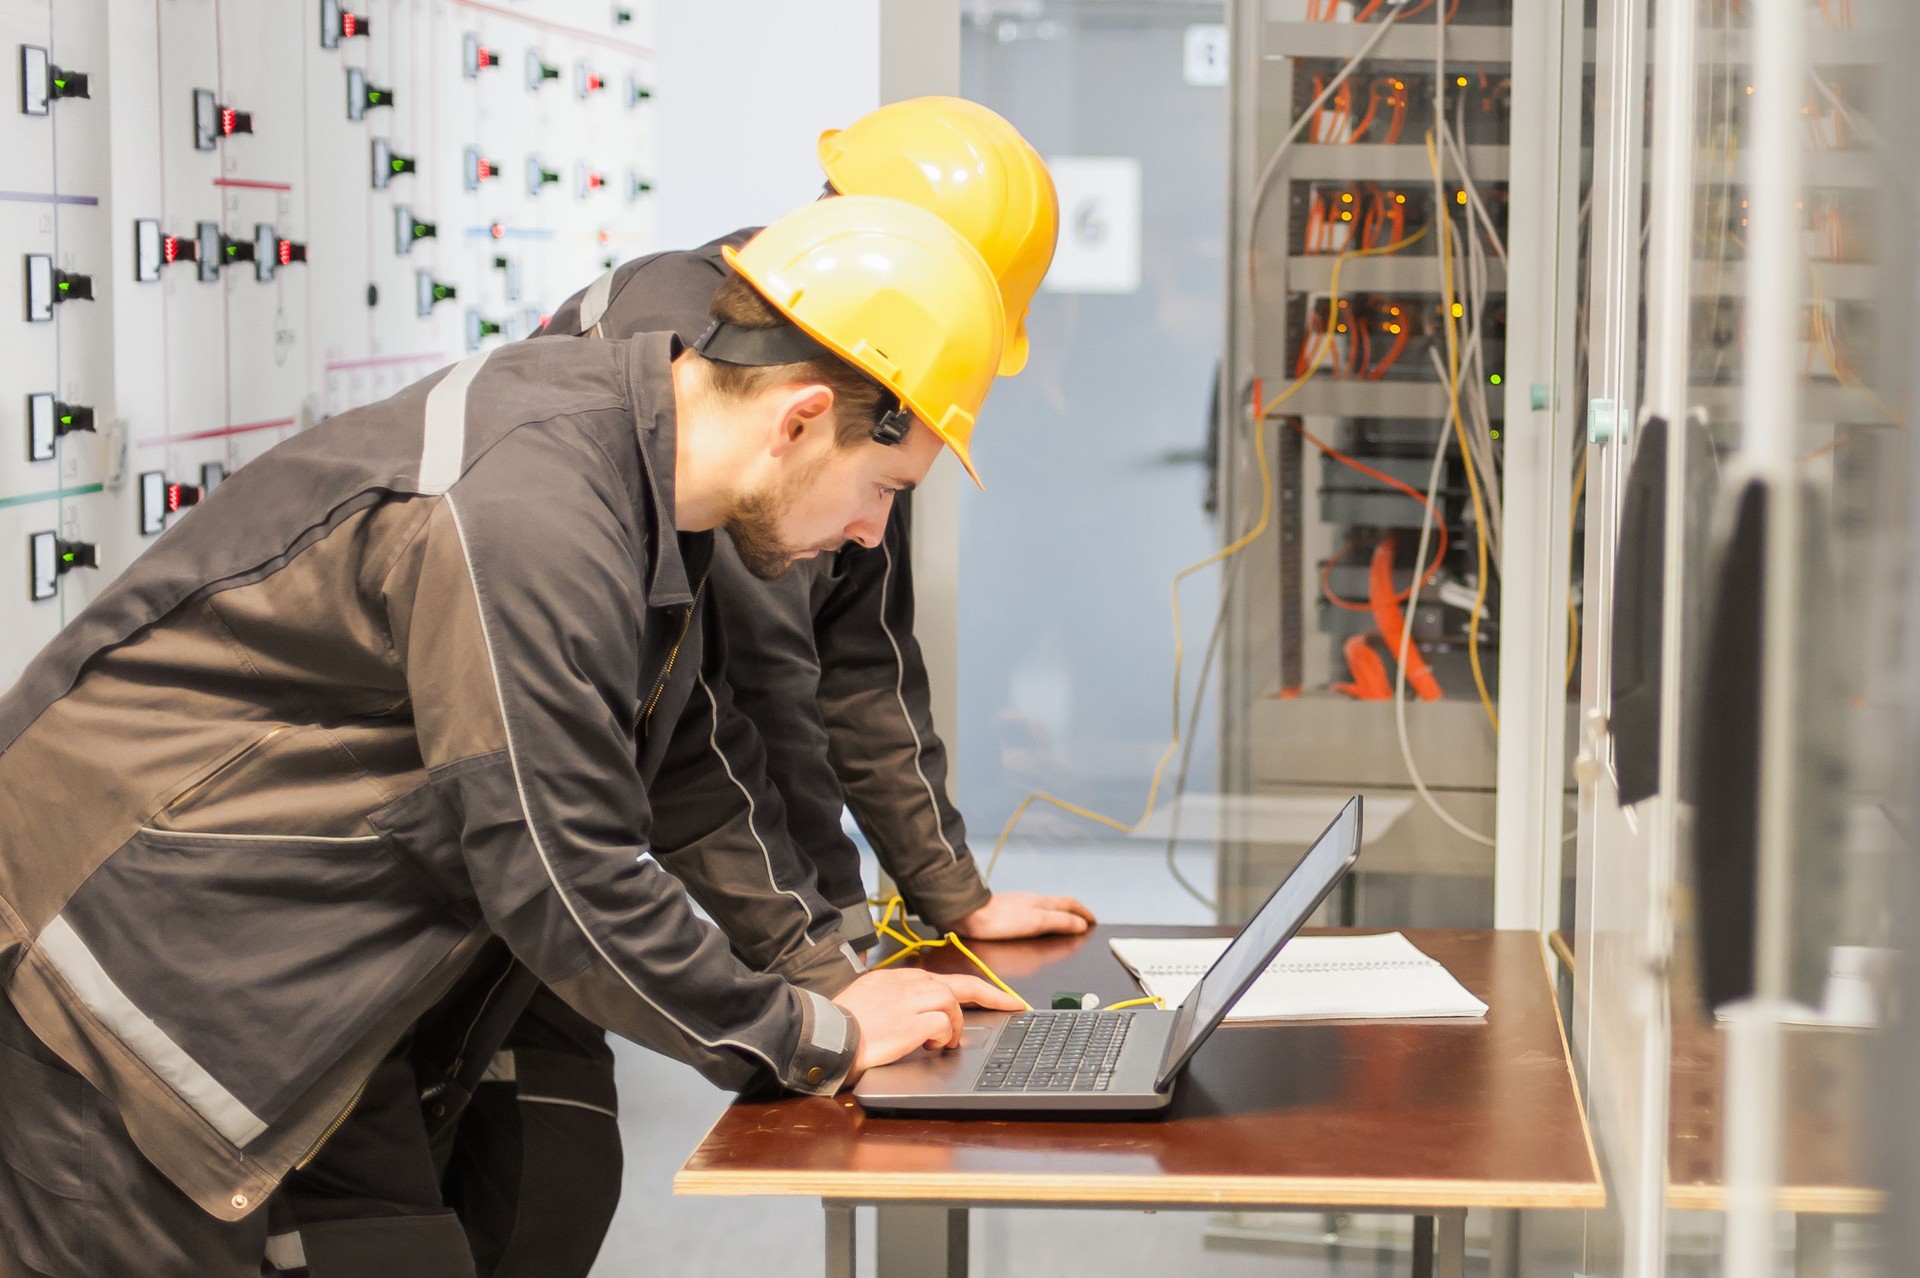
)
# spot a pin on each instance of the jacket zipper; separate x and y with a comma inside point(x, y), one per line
point(685, 625)
point(338, 1122)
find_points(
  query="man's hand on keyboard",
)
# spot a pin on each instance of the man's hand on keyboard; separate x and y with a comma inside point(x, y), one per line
point(901, 1009)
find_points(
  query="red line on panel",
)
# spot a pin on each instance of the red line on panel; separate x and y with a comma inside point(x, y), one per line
point(255, 186)
point(577, 33)
point(217, 432)
point(381, 361)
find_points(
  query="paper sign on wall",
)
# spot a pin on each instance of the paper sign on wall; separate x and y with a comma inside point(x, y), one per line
point(1206, 54)
point(1099, 249)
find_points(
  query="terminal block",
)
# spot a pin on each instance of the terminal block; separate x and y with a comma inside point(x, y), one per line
point(363, 95)
point(161, 497)
point(49, 420)
point(42, 84)
point(408, 230)
point(154, 250)
point(214, 121)
point(478, 57)
point(52, 557)
point(389, 164)
point(429, 293)
point(337, 24)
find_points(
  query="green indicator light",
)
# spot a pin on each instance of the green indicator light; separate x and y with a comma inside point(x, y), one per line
point(1495, 434)
point(67, 557)
point(64, 286)
point(59, 84)
point(66, 419)
point(1495, 379)
point(400, 166)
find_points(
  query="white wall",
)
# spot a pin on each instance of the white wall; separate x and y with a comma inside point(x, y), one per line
point(745, 87)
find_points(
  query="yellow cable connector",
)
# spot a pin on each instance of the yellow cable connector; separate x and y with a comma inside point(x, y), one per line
point(911, 942)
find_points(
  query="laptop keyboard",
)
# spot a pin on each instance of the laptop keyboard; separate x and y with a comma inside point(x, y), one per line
point(1056, 1052)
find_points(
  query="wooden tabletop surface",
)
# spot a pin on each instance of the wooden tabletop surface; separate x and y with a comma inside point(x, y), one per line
point(1397, 1114)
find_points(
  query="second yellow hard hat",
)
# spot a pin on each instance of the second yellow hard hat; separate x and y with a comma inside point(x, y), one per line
point(967, 165)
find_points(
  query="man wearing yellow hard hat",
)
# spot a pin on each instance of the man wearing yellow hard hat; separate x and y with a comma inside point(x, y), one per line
point(405, 691)
point(823, 663)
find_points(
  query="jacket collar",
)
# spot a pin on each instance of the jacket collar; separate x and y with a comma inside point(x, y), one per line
point(650, 392)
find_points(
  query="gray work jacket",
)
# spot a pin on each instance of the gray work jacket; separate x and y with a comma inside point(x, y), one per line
point(397, 686)
point(823, 661)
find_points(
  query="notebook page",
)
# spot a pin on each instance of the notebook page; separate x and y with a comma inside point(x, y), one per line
point(1314, 977)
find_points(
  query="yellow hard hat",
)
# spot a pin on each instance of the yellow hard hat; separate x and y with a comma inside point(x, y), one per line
point(959, 160)
point(894, 291)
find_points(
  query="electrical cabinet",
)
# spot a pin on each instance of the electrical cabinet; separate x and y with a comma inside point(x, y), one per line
point(228, 221)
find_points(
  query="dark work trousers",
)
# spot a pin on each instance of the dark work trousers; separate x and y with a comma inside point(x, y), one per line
point(533, 1166)
point(368, 1203)
point(79, 1200)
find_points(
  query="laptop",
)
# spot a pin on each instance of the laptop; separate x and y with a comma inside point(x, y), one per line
point(1111, 1061)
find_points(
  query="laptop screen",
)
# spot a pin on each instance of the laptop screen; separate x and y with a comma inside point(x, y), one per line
point(1285, 912)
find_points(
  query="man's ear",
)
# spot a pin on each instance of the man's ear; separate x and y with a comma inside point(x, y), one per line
point(805, 410)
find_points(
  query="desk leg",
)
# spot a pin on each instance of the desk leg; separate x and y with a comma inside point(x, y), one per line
point(921, 1242)
point(1812, 1246)
point(1423, 1247)
point(1451, 1253)
point(840, 1238)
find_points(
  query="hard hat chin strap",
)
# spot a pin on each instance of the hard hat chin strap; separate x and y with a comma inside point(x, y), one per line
point(726, 343)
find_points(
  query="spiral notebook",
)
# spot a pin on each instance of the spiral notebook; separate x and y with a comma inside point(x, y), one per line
point(1314, 978)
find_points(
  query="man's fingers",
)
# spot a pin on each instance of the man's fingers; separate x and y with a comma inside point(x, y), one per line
point(1055, 920)
point(975, 992)
point(1069, 905)
point(937, 1028)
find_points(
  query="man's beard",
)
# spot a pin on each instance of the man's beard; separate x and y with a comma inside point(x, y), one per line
point(754, 525)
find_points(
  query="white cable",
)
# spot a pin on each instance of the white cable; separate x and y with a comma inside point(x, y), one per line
point(1406, 643)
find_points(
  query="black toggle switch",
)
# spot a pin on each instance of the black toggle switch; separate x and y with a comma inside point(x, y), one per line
point(409, 230)
point(68, 418)
point(637, 93)
point(233, 252)
point(539, 177)
point(429, 293)
point(49, 420)
point(181, 496)
point(72, 287)
point(621, 17)
point(389, 164)
point(538, 72)
point(363, 96)
point(479, 330)
point(67, 84)
point(638, 186)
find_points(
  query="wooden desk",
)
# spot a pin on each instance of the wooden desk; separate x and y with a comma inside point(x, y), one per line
point(1427, 1118)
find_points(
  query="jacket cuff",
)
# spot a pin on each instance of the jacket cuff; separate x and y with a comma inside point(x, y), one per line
point(856, 925)
point(946, 894)
point(828, 1038)
point(826, 967)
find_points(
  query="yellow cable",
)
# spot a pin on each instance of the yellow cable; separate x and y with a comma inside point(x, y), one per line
point(1152, 1000)
point(1460, 434)
point(1232, 548)
point(911, 943)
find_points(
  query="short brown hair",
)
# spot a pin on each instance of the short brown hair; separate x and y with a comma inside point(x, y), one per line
point(857, 399)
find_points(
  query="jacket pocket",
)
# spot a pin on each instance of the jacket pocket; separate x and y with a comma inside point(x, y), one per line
point(294, 781)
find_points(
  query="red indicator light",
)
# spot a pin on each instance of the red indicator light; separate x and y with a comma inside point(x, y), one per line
point(606, 236)
point(348, 23)
point(170, 249)
point(486, 169)
point(499, 231)
point(286, 252)
point(595, 84)
point(180, 496)
point(595, 181)
point(486, 57)
point(544, 319)
point(227, 115)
